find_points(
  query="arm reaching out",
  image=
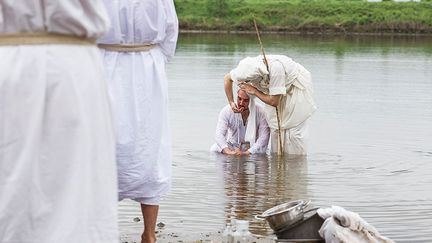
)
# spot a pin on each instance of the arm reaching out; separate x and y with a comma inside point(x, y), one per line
point(228, 83)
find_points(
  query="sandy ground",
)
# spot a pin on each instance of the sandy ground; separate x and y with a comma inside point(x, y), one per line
point(210, 237)
point(215, 237)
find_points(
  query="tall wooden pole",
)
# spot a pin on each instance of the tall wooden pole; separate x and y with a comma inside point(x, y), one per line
point(280, 150)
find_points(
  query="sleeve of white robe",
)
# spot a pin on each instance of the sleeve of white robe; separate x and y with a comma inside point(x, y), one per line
point(260, 146)
point(222, 129)
point(277, 79)
point(168, 45)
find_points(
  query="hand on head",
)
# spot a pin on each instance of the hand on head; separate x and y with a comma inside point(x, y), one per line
point(249, 88)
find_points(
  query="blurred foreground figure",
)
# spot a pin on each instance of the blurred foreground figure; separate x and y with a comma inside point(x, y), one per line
point(141, 40)
point(57, 158)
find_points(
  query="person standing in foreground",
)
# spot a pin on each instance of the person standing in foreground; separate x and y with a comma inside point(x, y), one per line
point(248, 126)
point(285, 86)
point(141, 40)
point(57, 157)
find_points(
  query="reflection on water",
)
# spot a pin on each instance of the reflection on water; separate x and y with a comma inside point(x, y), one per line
point(370, 139)
point(251, 184)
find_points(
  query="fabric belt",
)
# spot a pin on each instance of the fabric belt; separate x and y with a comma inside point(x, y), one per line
point(42, 38)
point(127, 47)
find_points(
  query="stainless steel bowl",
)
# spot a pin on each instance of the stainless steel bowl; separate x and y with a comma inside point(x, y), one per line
point(284, 214)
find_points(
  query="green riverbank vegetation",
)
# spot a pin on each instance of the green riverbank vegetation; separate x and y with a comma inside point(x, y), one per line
point(307, 16)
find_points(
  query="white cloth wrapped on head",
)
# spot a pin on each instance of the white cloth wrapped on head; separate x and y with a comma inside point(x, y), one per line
point(341, 225)
point(253, 70)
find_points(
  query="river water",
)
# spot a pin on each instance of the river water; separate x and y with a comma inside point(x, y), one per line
point(370, 139)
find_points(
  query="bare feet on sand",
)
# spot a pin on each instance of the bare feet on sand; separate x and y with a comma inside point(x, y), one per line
point(148, 238)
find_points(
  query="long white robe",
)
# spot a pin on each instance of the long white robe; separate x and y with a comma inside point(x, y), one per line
point(139, 94)
point(57, 164)
point(294, 83)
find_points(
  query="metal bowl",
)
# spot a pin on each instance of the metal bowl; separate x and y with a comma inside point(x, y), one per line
point(284, 214)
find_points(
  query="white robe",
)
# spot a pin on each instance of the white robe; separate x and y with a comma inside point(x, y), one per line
point(138, 90)
point(230, 131)
point(57, 165)
point(293, 82)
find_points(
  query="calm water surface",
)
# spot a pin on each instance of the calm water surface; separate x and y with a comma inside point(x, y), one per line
point(370, 139)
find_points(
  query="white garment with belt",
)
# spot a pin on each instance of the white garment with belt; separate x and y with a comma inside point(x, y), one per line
point(57, 165)
point(138, 90)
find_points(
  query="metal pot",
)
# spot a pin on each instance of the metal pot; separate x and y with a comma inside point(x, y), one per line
point(284, 214)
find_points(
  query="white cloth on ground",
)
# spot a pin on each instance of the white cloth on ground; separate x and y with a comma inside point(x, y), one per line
point(229, 131)
point(341, 225)
point(138, 90)
point(57, 159)
point(289, 79)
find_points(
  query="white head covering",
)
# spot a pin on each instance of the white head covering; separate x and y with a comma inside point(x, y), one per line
point(250, 69)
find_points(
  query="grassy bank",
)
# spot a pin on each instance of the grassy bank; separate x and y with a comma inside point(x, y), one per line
point(311, 16)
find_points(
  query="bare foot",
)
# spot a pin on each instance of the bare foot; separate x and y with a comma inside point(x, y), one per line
point(150, 213)
point(148, 238)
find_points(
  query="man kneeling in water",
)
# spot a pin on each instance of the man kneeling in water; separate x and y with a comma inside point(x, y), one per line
point(243, 131)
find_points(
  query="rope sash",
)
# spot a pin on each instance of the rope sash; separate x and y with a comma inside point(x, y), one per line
point(127, 47)
point(42, 38)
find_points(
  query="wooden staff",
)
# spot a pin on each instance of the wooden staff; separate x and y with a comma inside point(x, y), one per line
point(280, 151)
